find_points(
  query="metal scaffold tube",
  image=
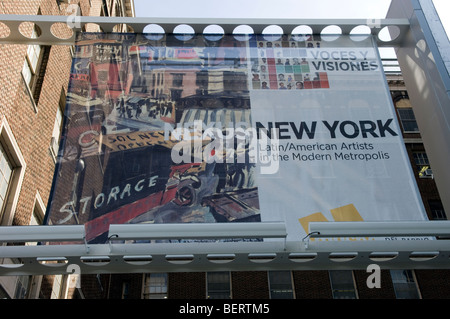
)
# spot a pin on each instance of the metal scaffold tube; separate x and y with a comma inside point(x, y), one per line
point(73, 24)
point(321, 249)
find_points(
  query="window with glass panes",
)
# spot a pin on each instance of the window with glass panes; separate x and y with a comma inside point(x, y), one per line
point(422, 164)
point(408, 120)
point(31, 61)
point(437, 210)
point(155, 286)
point(125, 290)
point(342, 284)
point(404, 284)
point(6, 171)
point(57, 127)
point(218, 285)
point(280, 285)
point(22, 287)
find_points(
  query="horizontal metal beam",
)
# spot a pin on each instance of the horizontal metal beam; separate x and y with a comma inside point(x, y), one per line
point(198, 25)
point(11, 234)
point(377, 229)
point(197, 231)
point(310, 253)
point(224, 256)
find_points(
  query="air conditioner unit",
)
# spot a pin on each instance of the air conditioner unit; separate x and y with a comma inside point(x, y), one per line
point(428, 173)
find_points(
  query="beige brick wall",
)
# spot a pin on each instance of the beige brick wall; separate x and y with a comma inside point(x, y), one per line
point(32, 125)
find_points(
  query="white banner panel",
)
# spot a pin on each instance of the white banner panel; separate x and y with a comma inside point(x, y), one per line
point(338, 153)
point(224, 129)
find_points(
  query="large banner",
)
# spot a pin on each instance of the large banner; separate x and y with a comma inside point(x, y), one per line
point(204, 128)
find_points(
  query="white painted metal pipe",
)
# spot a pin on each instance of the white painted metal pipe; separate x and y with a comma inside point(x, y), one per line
point(376, 229)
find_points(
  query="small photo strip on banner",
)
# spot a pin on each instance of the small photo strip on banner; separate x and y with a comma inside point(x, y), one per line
point(283, 65)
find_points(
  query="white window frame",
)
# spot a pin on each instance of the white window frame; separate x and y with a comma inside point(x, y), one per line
point(38, 207)
point(59, 287)
point(31, 67)
point(333, 289)
point(147, 291)
point(57, 127)
point(7, 214)
point(12, 148)
point(292, 291)
point(37, 216)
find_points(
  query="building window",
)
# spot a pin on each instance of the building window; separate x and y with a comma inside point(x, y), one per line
point(408, 120)
point(32, 60)
point(37, 215)
point(280, 285)
point(422, 165)
point(3, 293)
point(34, 67)
point(437, 210)
point(59, 288)
point(177, 79)
point(125, 290)
point(405, 112)
point(202, 80)
point(6, 172)
point(342, 284)
point(22, 287)
point(175, 95)
point(57, 127)
point(218, 285)
point(404, 284)
point(13, 170)
point(155, 286)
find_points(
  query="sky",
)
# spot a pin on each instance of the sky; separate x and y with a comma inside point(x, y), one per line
point(280, 9)
point(443, 9)
point(317, 9)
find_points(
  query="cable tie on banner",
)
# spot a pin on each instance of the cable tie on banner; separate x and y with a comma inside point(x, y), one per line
point(305, 239)
point(109, 241)
point(86, 244)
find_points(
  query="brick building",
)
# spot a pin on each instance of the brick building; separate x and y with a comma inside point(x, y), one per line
point(33, 84)
point(34, 81)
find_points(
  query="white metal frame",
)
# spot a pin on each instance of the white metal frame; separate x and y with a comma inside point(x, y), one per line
point(38, 233)
point(328, 246)
point(106, 24)
point(197, 231)
point(424, 59)
point(378, 229)
point(390, 246)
